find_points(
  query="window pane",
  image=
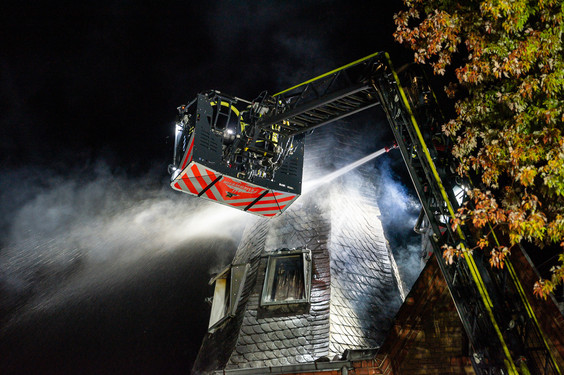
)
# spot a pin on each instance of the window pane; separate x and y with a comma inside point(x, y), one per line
point(287, 279)
point(220, 301)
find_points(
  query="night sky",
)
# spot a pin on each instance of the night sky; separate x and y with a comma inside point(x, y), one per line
point(88, 97)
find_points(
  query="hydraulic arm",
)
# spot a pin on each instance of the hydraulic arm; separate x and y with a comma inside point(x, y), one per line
point(249, 154)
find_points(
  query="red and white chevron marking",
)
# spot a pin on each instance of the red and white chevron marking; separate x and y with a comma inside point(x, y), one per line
point(189, 153)
point(233, 192)
point(273, 203)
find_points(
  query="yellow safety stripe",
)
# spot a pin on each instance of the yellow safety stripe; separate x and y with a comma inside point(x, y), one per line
point(469, 259)
point(228, 105)
point(235, 110)
point(329, 73)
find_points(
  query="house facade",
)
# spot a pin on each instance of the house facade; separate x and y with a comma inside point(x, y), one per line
point(310, 286)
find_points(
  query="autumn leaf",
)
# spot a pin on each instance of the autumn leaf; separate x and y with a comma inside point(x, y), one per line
point(483, 242)
point(540, 289)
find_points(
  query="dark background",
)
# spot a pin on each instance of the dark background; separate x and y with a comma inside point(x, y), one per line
point(80, 81)
point(87, 102)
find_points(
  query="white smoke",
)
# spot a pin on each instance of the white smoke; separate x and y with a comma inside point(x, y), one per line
point(76, 226)
point(399, 211)
point(399, 208)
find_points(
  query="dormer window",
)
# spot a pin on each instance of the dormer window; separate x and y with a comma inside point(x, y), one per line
point(227, 293)
point(288, 278)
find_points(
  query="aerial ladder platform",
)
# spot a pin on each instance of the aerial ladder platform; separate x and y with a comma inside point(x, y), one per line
point(249, 155)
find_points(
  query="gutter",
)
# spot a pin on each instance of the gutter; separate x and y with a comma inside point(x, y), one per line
point(342, 366)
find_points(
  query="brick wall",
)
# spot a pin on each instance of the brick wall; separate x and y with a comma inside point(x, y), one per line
point(427, 336)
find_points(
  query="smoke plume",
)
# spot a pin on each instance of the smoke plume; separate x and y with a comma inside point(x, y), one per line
point(98, 244)
point(399, 209)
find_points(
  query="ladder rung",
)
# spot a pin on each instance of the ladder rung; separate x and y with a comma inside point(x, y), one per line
point(326, 111)
point(316, 115)
point(293, 120)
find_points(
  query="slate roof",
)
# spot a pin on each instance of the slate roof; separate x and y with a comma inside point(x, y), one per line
point(216, 347)
point(364, 280)
point(354, 293)
point(289, 339)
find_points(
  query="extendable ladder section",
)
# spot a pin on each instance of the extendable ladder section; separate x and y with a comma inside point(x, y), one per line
point(504, 335)
point(332, 96)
